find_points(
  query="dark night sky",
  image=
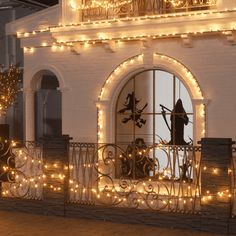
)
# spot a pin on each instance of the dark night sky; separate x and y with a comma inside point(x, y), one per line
point(48, 2)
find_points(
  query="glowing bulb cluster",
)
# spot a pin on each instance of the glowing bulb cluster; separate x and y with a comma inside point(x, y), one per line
point(9, 86)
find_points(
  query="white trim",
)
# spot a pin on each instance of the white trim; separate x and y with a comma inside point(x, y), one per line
point(30, 80)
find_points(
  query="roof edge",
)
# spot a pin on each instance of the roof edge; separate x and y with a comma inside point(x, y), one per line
point(24, 22)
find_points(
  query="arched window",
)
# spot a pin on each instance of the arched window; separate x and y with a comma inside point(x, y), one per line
point(149, 110)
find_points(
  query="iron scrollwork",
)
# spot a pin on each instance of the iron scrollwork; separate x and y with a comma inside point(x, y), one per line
point(25, 175)
point(172, 185)
point(7, 161)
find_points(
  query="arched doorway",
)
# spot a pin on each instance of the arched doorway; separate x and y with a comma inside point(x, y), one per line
point(48, 119)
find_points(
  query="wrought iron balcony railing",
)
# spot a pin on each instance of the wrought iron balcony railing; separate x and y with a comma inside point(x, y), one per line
point(161, 178)
point(110, 9)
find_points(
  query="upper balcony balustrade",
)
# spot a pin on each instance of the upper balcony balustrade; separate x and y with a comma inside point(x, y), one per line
point(92, 10)
point(105, 21)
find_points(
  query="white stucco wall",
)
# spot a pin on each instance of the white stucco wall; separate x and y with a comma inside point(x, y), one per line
point(211, 60)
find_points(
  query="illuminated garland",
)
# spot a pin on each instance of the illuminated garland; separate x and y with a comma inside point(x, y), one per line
point(9, 81)
point(54, 28)
point(62, 175)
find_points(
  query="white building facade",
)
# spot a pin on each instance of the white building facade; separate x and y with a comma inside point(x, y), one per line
point(144, 75)
point(96, 55)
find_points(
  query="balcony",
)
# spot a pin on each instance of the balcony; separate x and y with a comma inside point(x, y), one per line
point(92, 10)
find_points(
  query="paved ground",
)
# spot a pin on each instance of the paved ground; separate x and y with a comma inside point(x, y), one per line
point(22, 224)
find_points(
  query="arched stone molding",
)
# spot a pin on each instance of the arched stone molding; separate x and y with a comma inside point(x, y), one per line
point(120, 75)
point(32, 76)
point(29, 115)
point(32, 80)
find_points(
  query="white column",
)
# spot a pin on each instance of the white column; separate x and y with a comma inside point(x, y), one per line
point(29, 115)
point(226, 4)
point(13, 41)
point(6, 52)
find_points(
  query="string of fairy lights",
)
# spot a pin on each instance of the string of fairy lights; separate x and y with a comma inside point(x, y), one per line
point(120, 20)
point(60, 45)
point(9, 87)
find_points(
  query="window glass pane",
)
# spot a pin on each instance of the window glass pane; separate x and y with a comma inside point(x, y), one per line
point(144, 130)
point(188, 130)
point(136, 118)
point(162, 133)
point(125, 99)
point(163, 90)
point(124, 129)
point(182, 93)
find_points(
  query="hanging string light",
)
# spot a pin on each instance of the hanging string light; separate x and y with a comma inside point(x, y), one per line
point(9, 87)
